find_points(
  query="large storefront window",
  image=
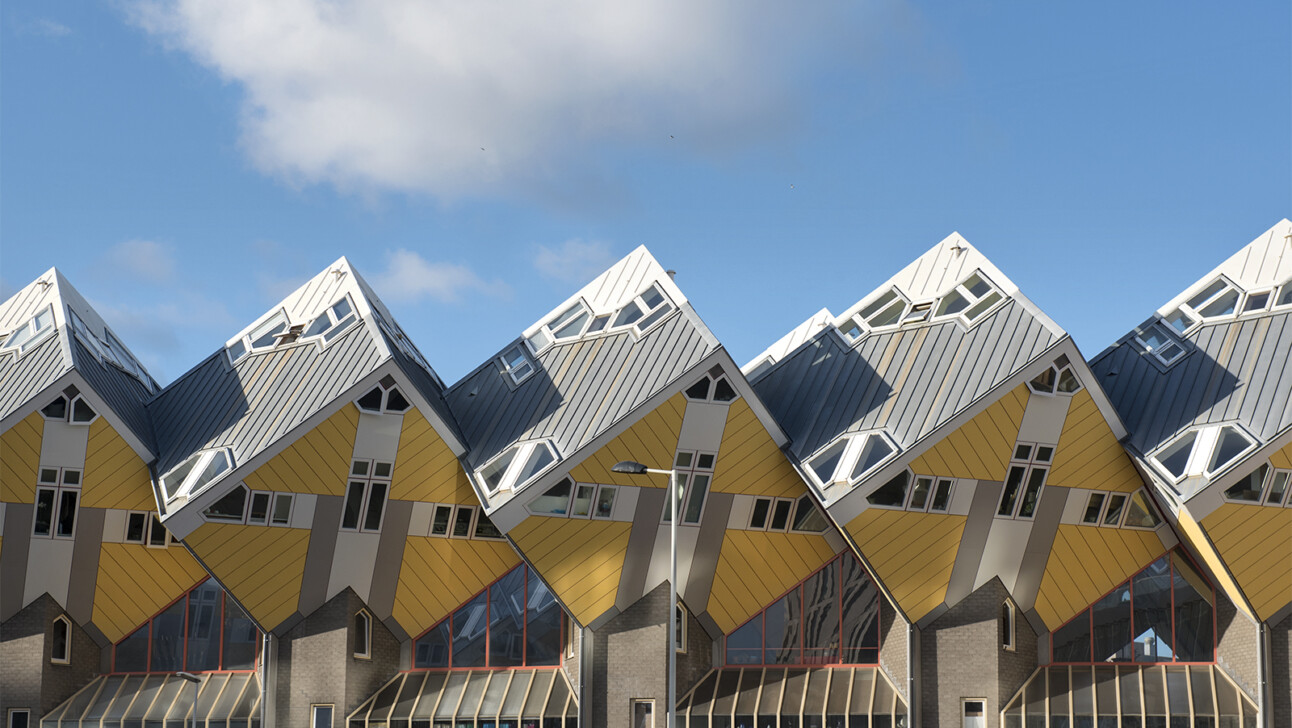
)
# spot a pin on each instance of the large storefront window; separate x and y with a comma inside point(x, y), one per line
point(832, 618)
point(202, 631)
point(1165, 613)
point(514, 622)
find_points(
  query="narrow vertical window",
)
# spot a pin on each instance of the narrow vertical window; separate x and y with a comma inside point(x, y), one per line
point(19, 718)
point(679, 632)
point(61, 641)
point(362, 635)
point(321, 716)
point(643, 713)
point(1007, 634)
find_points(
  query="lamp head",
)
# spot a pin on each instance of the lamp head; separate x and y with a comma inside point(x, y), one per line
point(630, 467)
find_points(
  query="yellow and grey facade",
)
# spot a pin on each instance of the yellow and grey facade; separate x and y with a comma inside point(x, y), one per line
point(929, 510)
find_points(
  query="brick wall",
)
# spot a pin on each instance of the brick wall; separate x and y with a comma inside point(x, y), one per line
point(27, 676)
point(696, 662)
point(1014, 668)
point(1237, 645)
point(1280, 708)
point(629, 660)
point(893, 648)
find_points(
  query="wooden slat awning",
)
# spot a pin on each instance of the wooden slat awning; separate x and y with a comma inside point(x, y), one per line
point(224, 700)
point(815, 697)
point(425, 699)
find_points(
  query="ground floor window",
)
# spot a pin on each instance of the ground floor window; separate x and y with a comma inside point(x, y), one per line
point(643, 713)
point(321, 716)
point(19, 718)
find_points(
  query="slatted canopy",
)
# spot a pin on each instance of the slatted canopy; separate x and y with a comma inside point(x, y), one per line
point(471, 699)
point(161, 700)
point(827, 697)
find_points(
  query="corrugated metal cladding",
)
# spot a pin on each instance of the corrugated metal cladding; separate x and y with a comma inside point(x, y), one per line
point(263, 397)
point(1234, 371)
point(425, 383)
point(25, 378)
point(122, 392)
point(579, 390)
point(908, 381)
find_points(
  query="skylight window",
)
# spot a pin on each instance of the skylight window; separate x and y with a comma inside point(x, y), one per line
point(1284, 297)
point(852, 458)
point(517, 465)
point(329, 324)
point(644, 311)
point(890, 309)
point(263, 337)
point(1217, 300)
point(515, 362)
point(75, 410)
point(195, 474)
point(1056, 379)
point(1163, 346)
point(384, 398)
point(1203, 451)
point(30, 334)
point(569, 324)
point(711, 389)
point(970, 300)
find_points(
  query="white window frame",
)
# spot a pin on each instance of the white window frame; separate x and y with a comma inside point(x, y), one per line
point(1263, 495)
point(1009, 628)
point(1191, 310)
point(687, 476)
point(314, 715)
point(366, 481)
point(855, 443)
point(143, 528)
point(448, 524)
point(262, 330)
point(711, 391)
point(14, 713)
point(186, 488)
point(1057, 385)
point(153, 539)
point(1167, 334)
point(971, 299)
point(471, 521)
point(337, 324)
point(69, 410)
point(934, 483)
point(521, 453)
point(862, 324)
point(386, 388)
point(1282, 296)
point(38, 332)
point(57, 486)
point(1204, 444)
point(572, 322)
point(1029, 463)
point(66, 657)
point(366, 632)
point(523, 367)
point(647, 312)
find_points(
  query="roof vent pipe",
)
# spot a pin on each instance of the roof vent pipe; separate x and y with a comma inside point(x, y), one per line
point(671, 274)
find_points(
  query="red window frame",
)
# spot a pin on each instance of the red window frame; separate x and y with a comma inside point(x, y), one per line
point(148, 624)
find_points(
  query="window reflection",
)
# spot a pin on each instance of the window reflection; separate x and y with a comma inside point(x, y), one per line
point(202, 631)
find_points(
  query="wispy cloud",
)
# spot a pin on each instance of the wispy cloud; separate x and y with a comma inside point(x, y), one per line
point(43, 27)
point(574, 261)
point(410, 277)
point(142, 261)
point(163, 332)
point(457, 99)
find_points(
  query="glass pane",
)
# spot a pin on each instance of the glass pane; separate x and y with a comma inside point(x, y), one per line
point(781, 515)
point(1205, 294)
point(469, 630)
point(745, 645)
point(230, 507)
point(1230, 445)
point(582, 500)
point(952, 303)
point(627, 315)
point(168, 639)
point(203, 651)
point(1010, 494)
point(57, 409)
point(889, 316)
point(282, 509)
point(1068, 382)
point(376, 504)
point(44, 519)
point(807, 517)
point(1175, 457)
point(66, 513)
point(544, 618)
point(1112, 626)
point(941, 496)
point(462, 521)
point(1152, 626)
point(132, 652)
point(605, 502)
point(1060, 695)
point(874, 451)
point(214, 468)
point(1034, 482)
point(723, 391)
point(485, 528)
point(1093, 506)
point(695, 503)
point(1278, 487)
point(241, 638)
point(507, 620)
point(823, 465)
point(699, 390)
point(1115, 505)
point(821, 616)
point(860, 620)
point(920, 496)
point(878, 304)
point(395, 401)
point(81, 411)
point(135, 527)
point(440, 523)
point(264, 335)
point(1072, 640)
point(432, 649)
point(1140, 514)
point(1193, 614)
point(981, 307)
point(782, 623)
point(892, 493)
point(539, 457)
point(492, 473)
point(1045, 381)
point(758, 517)
point(1224, 305)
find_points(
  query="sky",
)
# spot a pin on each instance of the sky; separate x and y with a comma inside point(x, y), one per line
point(188, 164)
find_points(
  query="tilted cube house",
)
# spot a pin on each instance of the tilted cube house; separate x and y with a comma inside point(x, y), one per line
point(930, 510)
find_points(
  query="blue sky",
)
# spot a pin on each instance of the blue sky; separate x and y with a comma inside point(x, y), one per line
point(187, 164)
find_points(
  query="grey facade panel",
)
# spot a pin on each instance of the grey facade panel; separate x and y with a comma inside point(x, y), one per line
point(25, 378)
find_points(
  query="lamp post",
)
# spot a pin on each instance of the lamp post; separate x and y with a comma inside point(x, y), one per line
point(197, 681)
point(635, 468)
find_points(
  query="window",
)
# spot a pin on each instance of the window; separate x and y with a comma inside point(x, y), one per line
point(643, 711)
point(60, 639)
point(257, 508)
point(397, 335)
point(1008, 613)
point(365, 497)
point(975, 713)
point(970, 299)
point(644, 311)
point(576, 500)
point(694, 473)
point(36, 329)
point(362, 635)
point(800, 515)
point(1203, 451)
point(265, 336)
point(462, 521)
point(712, 388)
point(831, 618)
point(1284, 297)
point(196, 473)
point(515, 361)
point(1120, 510)
point(201, 631)
point(679, 634)
point(514, 622)
point(58, 491)
point(111, 351)
point(517, 465)
point(571, 629)
point(1162, 345)
point(158, 536)
point(385, 397)
point(19, 718)
point(889, 309)
point(1026, 477)
point(569, 324)
point(1056, 379)
point(321, 716)
point(1218, 299)
point(1264, 485)
point(71, 408)
point(851, 458)
point(329, 324)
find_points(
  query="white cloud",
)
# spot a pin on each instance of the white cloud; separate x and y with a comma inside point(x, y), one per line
point(465, 98)
point(574, 261)
point(142, 261)
point(162, 334)
point(410, 277)
point(44, 26)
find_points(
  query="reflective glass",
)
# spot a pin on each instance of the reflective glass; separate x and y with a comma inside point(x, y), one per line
point(1140, 514)
point(745, 645)
point(920, 495)
point(543, 625)
point(282, 509)
point(582, 500)
point(1229, 446)
point(1224, 305)
point(492, 473)
point(1112, 626)
point(859, 600)
point(952, 303)
point(1034, 482)
point(821, 616)
point(1152, 590)
point(470, 625)
point(650, 320)
point(1093, 507)
point(1248, 488)
point(66, 513)
point(555, 500)
point(879, 303)
point(1278, 487)
point(605, 502)
point(353, 504)
point(1010, 494)
point(168, 639)
point(723, 391)
point(240, 638)
point(376, 504)
point(758, 517)
point(699, 390)
point(1193, 614)
point(780, 515)
point(781, 630)
point(432, 649)
point(1072, 640)
point(230, 507)
point(203, 650)
point(1175, 457)
point(1116, 502)
point(440, 522)
point(627, 315)
point(823, 465)
point(507, 620)
point(695, 502)
point(44, 518)
point(872, 453)
point(892, 493)
point(462, 521)
point(132, 652)
point(807, 517)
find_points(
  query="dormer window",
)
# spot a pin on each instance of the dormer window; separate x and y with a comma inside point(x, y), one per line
point(1055, 379)
point(644, 311)
point(264, 336)
point(1162, 345)
point(569, 324)
point(196, 473)
point(516, 466)
point(384, 398)
point(34, 331)
point(1205, 451)
point(515, 362)
point(331, 322)
point(890, 309)
point(970, 299)
point(1218, 299)
point(75, 410)
point(712, 389)
point(852, 458)
point(1284, 297)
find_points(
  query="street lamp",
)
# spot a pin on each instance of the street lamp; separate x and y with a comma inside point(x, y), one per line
point(635, 468)
point(197, 681)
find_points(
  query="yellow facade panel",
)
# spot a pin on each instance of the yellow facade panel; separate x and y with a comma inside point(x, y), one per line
point(19, 459)
point(1256, 543)
point(316, 463)
point(652, 440)
point(261, 566)
point(135, 582)
point(425, 468)
point(1202, 546)
point(1282, 458)
point(756, 567)
point(115, 476)
point(580, 560)
point(439, 574)
point(912, 553)
point(980, 448)
point(1088, 453)
point(1086, 562)
point(749, 461)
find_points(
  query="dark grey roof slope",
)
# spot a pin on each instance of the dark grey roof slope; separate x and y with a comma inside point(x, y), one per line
point(24, 378)
point(426, 383)
point(249, 405)
point(1240, 370)
point(122, 392)
point(580, 389)
point(909, 381)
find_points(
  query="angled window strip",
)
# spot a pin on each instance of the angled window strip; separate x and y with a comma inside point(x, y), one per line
point(516, 363)
point(30, 334)
point(517, 465)
point(196, 474)
point(1219, 299)
point(1157, 340)
point(849, 459)
point(1203, 451)
point(889, 309)
point(332, 322)
point(970, 300)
